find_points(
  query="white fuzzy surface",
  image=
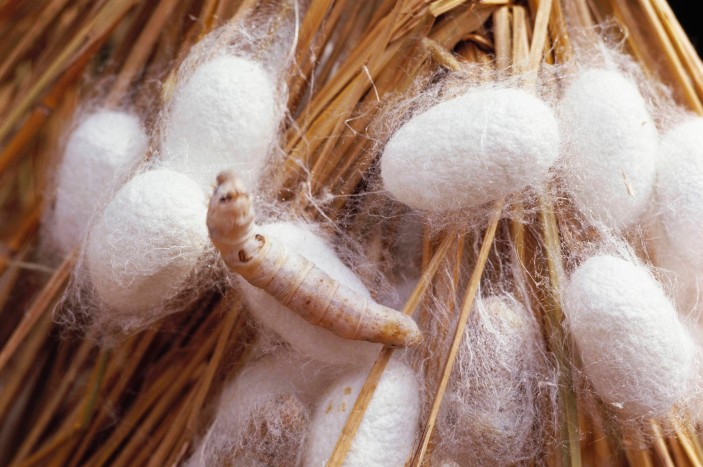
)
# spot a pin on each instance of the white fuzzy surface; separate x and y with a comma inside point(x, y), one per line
point(147, 241)
point(387, 432)
point(471, 149)
point(635, 351)
point(680, 190)
point(101, 149)
point(683, 281)
point(222, 117)
point(263, 414)
point(610, 148)
point(312, 341)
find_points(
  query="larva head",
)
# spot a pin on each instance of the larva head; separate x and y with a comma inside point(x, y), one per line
point(230, 216)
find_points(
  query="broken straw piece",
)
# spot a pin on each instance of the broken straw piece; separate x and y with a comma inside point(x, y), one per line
point(470, 150)
point(147, 241)
point(292, 279)
point(610, 148)
point(100, 150)
point(635, 351)
point(388, 429)
point(223, 116)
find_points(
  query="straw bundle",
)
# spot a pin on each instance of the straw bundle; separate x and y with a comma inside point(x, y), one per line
point(148, 398)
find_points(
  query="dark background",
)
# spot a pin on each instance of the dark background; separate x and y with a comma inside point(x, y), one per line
point(688, 13)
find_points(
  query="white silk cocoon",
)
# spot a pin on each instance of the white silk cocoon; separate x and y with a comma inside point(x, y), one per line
point(635, 350)
point(680, 190)
point(610, 148)
point(224, 116)
point(491, 413)
point(263, 415)
point(100, 151)
point(470, 150)
point(147, 242)
point(388, 429)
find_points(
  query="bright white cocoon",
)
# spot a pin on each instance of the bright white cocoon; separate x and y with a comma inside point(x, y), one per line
point(491, 408)
point(102, 148)
point(470, 150)
point(263, 415)
point(222, 117)
point(387, 432)
point(312, 341)
point(635, 351)
point(680, 190)
point(148, 240)
point(611, 146)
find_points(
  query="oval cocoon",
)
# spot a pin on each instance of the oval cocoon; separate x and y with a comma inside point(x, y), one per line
point(635, 351)
point(387, 432)
point(147, 241)
point(610, 148)
point(491, 408)
point(680, 190)
point(263, 414)
point(222, 117)
point(312, 341)
point(470, 150)
point(102, 148)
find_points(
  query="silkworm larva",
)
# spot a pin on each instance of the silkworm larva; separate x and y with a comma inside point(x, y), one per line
point(293, 280)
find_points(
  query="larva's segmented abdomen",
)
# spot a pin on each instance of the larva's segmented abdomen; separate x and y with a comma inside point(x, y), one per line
point(295, 281)
point(310, 292)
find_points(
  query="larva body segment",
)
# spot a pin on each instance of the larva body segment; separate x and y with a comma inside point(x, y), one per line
point(292, 279)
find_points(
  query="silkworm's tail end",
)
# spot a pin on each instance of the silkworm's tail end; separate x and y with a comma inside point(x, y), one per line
point(402, 332)
point(230, 215)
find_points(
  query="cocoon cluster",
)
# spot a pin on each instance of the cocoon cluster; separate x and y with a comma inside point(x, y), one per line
point(312, 341)
point(101, 150)
point(223, 117)
point(147, 242)
point(263, 415)
point(149, 239)
point(387, 432)
point(491, 411)
point(610, 148)
point(470, 150)
point(635, 351)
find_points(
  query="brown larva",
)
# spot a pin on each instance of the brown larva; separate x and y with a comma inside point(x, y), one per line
point(293, 280)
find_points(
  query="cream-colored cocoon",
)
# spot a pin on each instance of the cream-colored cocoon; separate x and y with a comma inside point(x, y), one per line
point(387, 432)
point(222, 117)
point(635, 351)
point(101, 150)
point(491, 410)
point(470, 150)
point(611, 146)
point(262, 416)
point(312, 341)
point(147, 241)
